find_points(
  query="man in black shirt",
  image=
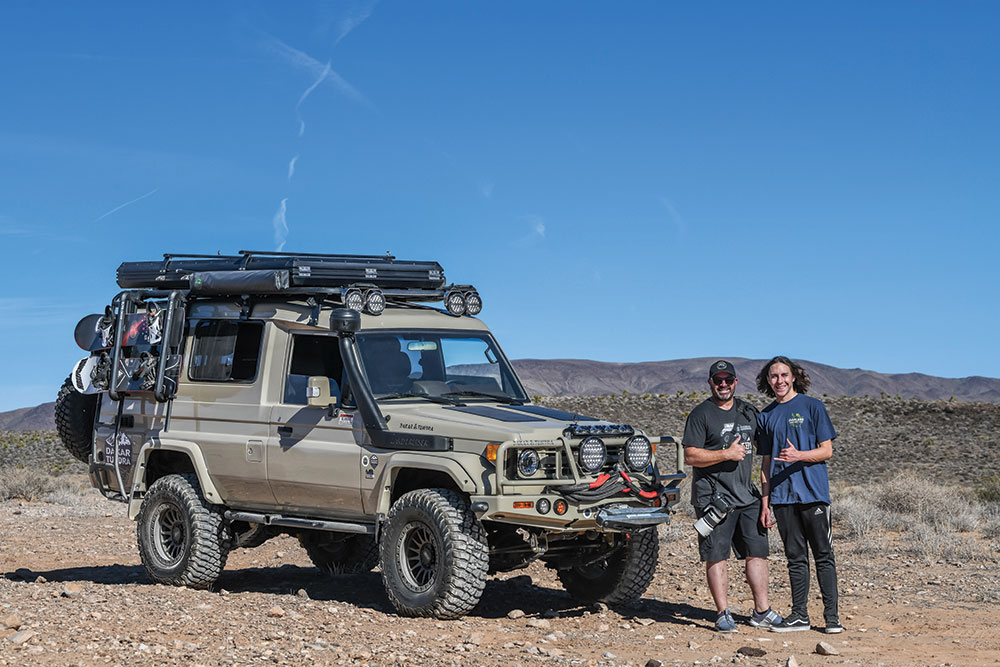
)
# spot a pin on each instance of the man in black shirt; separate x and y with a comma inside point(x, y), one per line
point(718, 443)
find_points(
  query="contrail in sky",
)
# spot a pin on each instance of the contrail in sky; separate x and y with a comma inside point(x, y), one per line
point(348, 24)
point(291, 168)
point(280, 226)
point(128, 203)
point(302, 124)
point(324, 73)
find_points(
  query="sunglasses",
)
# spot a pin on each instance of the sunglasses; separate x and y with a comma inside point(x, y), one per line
point(721, 381)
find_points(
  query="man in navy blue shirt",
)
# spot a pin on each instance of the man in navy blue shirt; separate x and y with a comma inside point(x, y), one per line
point(795, 439)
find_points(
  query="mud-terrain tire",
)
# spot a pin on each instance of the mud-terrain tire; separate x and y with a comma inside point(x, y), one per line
point(619, 579)
point(434, 554)
point(74, 414)
point(340, 553)
point(181, 537)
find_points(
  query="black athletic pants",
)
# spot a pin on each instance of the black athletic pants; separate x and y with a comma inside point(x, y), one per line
point(803, 527)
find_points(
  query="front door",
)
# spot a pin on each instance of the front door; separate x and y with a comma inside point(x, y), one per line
point(313, 455)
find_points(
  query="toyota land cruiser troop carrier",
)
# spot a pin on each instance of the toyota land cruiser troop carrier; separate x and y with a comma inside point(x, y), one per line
point(229, 399)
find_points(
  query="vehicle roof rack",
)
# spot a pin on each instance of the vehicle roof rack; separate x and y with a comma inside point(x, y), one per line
point(272, 272)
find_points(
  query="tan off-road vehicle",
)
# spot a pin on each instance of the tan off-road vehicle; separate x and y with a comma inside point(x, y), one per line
point(229, 399)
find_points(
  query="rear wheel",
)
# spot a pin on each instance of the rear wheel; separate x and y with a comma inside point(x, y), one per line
point(74, 413)
point(619, 577)
point(181, 537)
point(340, 553)
point(433, 554)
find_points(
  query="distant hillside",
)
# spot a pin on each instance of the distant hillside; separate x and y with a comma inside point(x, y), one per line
point(38, 418)
point(581, 377)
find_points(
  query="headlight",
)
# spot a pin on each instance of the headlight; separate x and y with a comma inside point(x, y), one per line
point(354, 299)
point(527, 462)
point(473, 303)
point(375, 302)
point(455, 303)
point(593, 454)
point(638, 453)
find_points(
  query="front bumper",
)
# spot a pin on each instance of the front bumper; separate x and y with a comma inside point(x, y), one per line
point(631, 518)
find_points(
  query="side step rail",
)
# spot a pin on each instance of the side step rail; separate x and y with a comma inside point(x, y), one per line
point(296, 522)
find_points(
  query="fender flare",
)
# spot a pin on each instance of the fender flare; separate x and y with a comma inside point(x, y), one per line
point(193, 452)
point(401, 460)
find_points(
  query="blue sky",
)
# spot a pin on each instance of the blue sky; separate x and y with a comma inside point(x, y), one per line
point(622, 181)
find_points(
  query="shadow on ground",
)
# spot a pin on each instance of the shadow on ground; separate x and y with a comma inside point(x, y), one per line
point(367, 591)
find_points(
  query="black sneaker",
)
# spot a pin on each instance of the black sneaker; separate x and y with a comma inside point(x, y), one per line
point(833, 626)
point(792, 623)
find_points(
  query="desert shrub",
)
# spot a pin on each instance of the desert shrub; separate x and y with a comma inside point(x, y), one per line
point(909, 499)
point(25, 483)
point(929, 542)
point(988, 490)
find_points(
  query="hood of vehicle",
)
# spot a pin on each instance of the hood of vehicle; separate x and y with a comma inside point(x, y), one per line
point(486, 421)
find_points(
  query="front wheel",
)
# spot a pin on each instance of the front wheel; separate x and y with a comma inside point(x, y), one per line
point(180, 536)
point(434, 554)
point(621, 576)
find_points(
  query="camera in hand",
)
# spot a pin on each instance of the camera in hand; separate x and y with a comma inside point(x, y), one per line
point(715, 513)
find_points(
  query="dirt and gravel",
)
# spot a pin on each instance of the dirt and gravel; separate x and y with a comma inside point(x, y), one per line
point(73, 591)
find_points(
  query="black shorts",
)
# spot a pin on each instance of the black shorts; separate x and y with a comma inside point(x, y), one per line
point(740, 531)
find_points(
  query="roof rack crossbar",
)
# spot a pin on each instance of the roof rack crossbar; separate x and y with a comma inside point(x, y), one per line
point(309, 255)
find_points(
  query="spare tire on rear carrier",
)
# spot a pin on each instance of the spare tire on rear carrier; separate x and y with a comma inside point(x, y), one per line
point(75, 414)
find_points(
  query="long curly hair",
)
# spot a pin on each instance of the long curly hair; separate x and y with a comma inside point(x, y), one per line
point(800, 377)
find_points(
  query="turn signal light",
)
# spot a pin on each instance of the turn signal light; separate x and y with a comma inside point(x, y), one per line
point(524, 504)
point(491, 452)
point(560, 507)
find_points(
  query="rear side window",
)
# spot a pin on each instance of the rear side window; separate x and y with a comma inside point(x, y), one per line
point(225, 351)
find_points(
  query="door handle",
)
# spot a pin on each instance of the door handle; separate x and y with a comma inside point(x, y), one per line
point(284, 430)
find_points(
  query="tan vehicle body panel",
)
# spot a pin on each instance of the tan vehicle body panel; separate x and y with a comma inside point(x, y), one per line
point(251, 451)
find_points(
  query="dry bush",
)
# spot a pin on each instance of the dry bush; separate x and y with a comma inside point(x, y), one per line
point(66, 492)
point(988, 490)
point(929, 542)
point(25, 483)
point(933, 521)
point(909, 499)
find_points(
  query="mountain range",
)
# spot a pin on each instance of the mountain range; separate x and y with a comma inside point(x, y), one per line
point(582, 377)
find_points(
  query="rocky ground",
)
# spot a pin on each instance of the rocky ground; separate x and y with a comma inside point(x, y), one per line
point(73, 592)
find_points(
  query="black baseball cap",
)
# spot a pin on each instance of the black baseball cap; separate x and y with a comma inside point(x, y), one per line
point(721, 366)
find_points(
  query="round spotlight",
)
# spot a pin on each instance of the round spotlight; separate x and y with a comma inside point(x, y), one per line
point(473, 303)
point(528, 462)
point(455, 303)
point(593, 454)
point(354, 299)
point(560, 506)
point(375, 302)
point(638, 453)
point(543, 506)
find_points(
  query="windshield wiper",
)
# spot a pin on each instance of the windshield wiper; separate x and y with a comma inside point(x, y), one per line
point(496, 397)
point(430, 397)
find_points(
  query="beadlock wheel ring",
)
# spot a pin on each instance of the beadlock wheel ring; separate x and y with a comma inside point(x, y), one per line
point(418, 557)
point(170, 534)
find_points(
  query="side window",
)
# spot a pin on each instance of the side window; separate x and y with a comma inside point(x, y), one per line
point(311, 356)
point(225, 351)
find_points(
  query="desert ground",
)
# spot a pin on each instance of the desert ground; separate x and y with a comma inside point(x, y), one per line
point(917, 558)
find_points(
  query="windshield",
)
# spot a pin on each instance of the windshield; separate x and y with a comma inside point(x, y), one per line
point(437, 363)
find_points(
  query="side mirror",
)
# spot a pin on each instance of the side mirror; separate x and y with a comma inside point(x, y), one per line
point(318, 391)
point(345, 320)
